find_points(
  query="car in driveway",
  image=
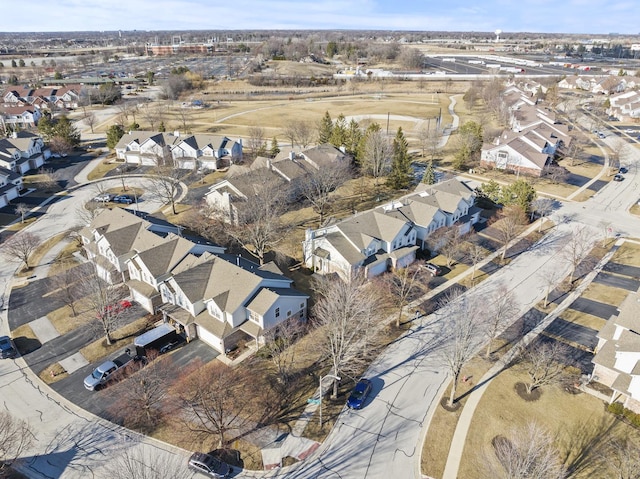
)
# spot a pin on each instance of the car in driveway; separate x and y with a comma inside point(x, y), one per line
point(623, 170)
point(6, 348)
point(359, 394)
point(124, 199)
point(618, 177)
point(433, 269)
point(601, 135)
point(171, 345)
point(104, 198)
point(208, 465)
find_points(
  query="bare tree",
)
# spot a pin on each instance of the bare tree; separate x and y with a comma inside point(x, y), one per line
point(347, 313)
point(15, 437)
point(556, 174)
point(279, 342)
point(573, 151)
point(185, 114)
point(430, 139)
point(103, 301)
point(544, 363)
point(256, 140)
point(318, 185)
point(403, 284)
point(144, 396)
point(257, 224)
point(376, 160)
point(463, 323)
point(21, 246)
point(164, 184)
point(214, 400)
point(448, 242)
point(617, 154)
point(304, 133)
point(90, 119)
point(136, 462)
point(86, 213)
point(290, 131)
point(67, 285)
point(22, 209)
point(550, 280)
point(150, 115)
point(475, 253)
point(48, 177)
point(509, 225)
point(620, 458)
point(501, 312)
point(527, 452)
point(543, 207)
point(577, 248)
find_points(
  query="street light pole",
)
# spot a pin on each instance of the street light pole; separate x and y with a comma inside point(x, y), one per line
point(337, 378)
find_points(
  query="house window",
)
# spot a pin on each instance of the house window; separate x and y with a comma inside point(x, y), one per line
point(288, 314)
point(255, 317)
point(301, 305)
point(277, 312)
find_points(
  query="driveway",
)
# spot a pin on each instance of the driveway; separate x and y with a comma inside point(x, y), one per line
point(616, 281)
point(574, 333)
point(623, 269)
point(28, 303)
point(595, 308)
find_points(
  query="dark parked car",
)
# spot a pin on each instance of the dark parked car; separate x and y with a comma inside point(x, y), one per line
point(125, 199)
point(208, 465)
point(170, 346)
point(434, 269)
point(359, 394)
point(623, 170)
point(6, 348)
point(618, 178)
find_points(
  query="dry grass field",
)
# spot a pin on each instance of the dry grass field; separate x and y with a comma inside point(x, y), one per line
point(577, 421)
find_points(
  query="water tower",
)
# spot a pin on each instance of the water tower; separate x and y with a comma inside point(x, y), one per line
point(498, 32)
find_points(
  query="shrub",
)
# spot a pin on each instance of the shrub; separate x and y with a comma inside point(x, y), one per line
point(616, 408)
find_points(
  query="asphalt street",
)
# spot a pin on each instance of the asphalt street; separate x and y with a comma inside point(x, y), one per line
point(380, 441)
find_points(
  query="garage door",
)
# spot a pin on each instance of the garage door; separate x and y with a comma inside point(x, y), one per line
point(209, 338)
point(142, 300)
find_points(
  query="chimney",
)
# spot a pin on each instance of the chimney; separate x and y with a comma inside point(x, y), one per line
point(238, 260)
point(292, 155)
point(176, 134)
point(269, 165)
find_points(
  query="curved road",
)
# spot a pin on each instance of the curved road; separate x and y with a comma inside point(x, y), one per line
point(380, 441)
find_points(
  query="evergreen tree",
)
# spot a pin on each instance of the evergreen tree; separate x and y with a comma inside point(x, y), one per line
point(46, 127)
point(114, 133)
point(429, 176)
point(401, 173)
point(275, 149)
point(161, 127)
point(354, 135)
point(339, 132)
point(325, 128)
point(66, 131)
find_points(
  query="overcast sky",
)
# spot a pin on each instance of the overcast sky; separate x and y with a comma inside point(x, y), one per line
point(564, 16)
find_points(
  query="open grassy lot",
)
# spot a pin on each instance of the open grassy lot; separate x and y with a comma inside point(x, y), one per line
point(578, 421)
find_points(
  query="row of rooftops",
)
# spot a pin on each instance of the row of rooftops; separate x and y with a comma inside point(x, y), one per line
point(228, 279)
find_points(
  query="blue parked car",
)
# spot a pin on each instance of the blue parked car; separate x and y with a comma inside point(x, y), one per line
point(359, 394)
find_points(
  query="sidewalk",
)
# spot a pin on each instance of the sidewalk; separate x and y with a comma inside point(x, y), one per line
point(464, 422)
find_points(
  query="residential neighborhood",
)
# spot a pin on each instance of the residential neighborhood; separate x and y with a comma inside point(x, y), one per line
point(267, 254)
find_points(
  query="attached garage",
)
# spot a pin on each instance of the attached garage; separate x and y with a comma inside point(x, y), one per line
point(212, 331)
point(210, 338)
